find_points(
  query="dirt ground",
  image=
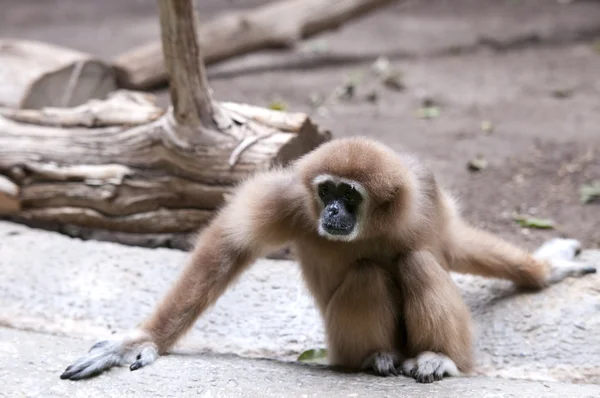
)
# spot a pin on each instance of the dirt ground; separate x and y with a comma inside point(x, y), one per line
point(529, 68)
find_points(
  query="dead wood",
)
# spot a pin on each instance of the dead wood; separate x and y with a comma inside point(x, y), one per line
point(275, 25)
point(141, 179)
point(163, 175)
point(120, 108)
point(34, 75)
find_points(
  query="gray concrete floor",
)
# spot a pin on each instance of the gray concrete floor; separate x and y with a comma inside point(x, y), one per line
point(484, 60)
point(59, 294)
point(28, 364)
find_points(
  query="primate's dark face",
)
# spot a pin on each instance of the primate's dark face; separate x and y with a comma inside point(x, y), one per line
point(341, 202)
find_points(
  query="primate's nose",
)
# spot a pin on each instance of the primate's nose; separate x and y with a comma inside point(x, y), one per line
point(333, 209)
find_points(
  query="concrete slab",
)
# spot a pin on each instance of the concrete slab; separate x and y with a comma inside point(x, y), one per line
point(54, 284)
point(29, 363)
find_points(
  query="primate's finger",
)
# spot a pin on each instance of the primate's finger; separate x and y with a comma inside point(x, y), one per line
point(588, 270)
point(145, 357)
point(77, 366)
point(92, 364)
point(136, 365)
point(99, 344)
point(95, 366)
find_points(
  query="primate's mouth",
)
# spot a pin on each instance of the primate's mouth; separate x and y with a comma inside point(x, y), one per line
point(337, 229)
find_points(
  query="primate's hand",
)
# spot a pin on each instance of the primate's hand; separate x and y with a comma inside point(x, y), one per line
point(135, 348)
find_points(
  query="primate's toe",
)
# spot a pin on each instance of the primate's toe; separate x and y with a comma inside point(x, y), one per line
point(425, 378)
point(429, 367)
point(382, 364)
point(558, 248)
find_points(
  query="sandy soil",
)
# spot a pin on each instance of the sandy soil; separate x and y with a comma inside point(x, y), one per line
point(529, 67)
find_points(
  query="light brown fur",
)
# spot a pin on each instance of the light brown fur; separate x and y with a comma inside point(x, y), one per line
point(386, 291)
point(413, 233)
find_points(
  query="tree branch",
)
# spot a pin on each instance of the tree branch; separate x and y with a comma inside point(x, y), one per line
point(190, 96)
point(274, 25)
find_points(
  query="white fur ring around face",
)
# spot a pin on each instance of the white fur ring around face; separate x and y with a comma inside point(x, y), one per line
point(560, 254)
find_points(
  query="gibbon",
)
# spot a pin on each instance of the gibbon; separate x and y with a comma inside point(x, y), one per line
point(375, 236)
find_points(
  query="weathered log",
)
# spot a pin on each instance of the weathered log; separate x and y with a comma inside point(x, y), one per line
point(275, 25)
point(142, 179)
point(34, 75)
point(9, 196)
point(159, 177)
point(120, 108)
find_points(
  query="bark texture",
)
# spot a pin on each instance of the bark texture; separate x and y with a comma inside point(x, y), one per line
point(124, 166)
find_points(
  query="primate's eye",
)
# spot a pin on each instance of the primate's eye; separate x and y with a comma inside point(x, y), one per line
point(351, 196)
point(323, 190)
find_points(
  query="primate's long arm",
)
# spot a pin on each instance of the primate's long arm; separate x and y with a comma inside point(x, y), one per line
point(259, 217)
